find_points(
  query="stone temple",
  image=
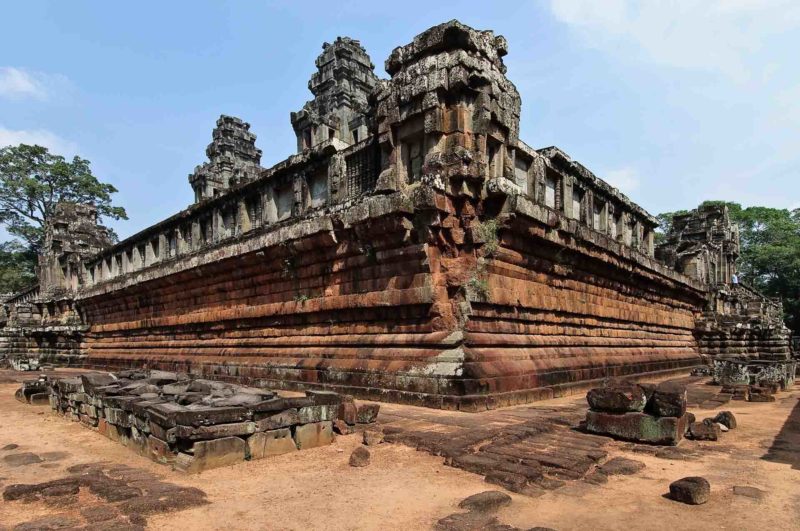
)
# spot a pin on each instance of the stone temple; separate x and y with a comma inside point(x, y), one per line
point(414, 250)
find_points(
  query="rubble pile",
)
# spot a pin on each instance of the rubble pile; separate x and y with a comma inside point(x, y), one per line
point(196, 424)
point(36, 392)
point(646, 413)
point(754, 380)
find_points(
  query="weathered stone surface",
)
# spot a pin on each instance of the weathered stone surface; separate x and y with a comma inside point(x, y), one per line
point(270, 443)
point(367, 413)
point(21, 459)
point(488, 501)
point(749, 492)
point(342, 428)
point(691, 490)
point(617, 398)
point(669, 400)
point(637, 426)
point(217, 453)
point(708, 430)
point(360, 457)
point(348, 412)
point(313, 435)
point(373, 437)
point(621, 466)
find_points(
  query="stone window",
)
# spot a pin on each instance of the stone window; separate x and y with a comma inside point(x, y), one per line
point(577, 201)
point(615, 222)
point(206, 231)
point(141, 256)
point(228, 218)
point(129, 261)
point(284, 200)
point(550, 185)
point(154, 244)
point(307, 139)
point(118, 261)
point(521, 173)
point(598, 219)
point(172, 243)
point(318, 188)
point(331, 133)
point(254, 210)
point(355, 136)
point(413, 158)
point(186, 236)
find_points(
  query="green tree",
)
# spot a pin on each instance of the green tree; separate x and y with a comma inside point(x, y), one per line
point(32, 181)
point(17, 267)
point(770, 252)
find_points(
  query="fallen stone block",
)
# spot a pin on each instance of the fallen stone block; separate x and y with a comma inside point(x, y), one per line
point(708, 430)
point(749, 492)
point(669, 400)
point(621, 466)
point(360, 457)
point(342, 428)
point(636, 426)
point(367, 413)
point(313, 435)
point(320, 413)
point(39, 399)
point(348, 412)
point(269, 443)
point(617, 398)
point(487, 502)
point(373, 437)
point(691, 490)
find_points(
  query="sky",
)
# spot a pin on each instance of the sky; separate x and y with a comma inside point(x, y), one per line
point(673, 102)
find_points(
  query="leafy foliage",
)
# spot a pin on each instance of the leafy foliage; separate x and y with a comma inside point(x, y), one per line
point(17, 266)
point(770, 252)
point(32, 181)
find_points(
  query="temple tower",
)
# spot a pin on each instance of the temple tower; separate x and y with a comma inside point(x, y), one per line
point(341, 86)
point(233, 159)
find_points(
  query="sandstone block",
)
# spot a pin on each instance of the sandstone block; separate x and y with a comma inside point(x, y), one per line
point(359, 457)
point(691, 490)
point(617, 398)
point(159, 451)
point(635, 426)
point(196, 433)
point(367, 413)
point(348, 412)
point(373, 437)
point(669, 400)
point(620, 466)
point(217, 453)
point(320, 413)
point(313, 435)
point(269, 443)
point(726, 418)
point(488, 501)
point(708, 430)
point(284, 419)
point(342, 428)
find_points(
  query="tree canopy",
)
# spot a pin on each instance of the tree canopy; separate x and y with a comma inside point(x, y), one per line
point(32, 181)
point(770, 252)
point(17, 267)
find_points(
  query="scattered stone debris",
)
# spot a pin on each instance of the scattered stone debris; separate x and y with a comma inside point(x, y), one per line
point(749, 492)
point(21, 459)
point(691, 490)
point(623, 410)
point(360, 457)
point(128, 496)
point(488, 501)
point(196, 424)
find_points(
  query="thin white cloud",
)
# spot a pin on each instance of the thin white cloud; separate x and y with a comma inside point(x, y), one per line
point(626, 179)
point(724, 36)
point(41, 137)
point(16, 83)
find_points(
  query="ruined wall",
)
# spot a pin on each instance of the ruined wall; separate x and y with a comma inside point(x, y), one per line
point(438, 261)
point(737, 321)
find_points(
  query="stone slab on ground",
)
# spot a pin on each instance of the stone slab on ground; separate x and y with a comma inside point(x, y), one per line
point(638, 427)
point(270, 443)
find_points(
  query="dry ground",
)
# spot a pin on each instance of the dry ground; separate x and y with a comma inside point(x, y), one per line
point(406, 489)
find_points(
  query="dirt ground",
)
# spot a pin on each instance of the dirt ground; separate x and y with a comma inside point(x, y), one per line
point(406, 489)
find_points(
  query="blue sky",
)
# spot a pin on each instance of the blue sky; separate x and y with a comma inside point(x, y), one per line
point(672, 102)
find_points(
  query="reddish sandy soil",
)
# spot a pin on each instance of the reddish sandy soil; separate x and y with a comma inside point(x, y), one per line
point(406, 489)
